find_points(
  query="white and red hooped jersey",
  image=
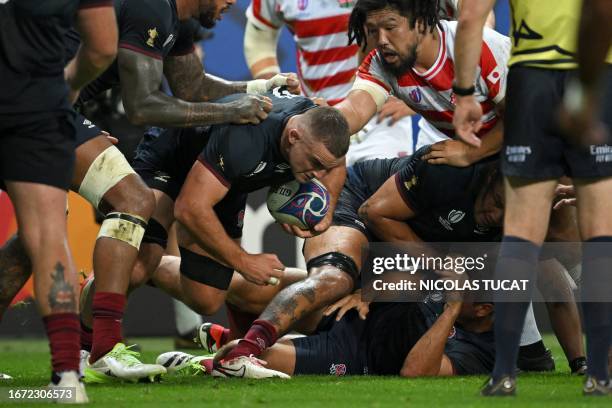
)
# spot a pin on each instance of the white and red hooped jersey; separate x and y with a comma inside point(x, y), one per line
point(326, 63)
point(430, 93)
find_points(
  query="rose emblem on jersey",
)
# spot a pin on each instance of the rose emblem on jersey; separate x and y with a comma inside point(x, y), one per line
point(240, 219)
point(452, 332)
point(415, 95)
point(337, 369)
point(302, 4)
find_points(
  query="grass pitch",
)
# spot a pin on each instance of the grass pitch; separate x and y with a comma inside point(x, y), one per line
point(28, 362)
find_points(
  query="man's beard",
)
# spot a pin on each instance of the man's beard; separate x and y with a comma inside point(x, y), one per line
point(405, 63)
point(207, 18)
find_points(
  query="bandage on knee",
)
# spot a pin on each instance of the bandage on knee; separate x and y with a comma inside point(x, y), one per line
point(124, 227)
point(336, 259)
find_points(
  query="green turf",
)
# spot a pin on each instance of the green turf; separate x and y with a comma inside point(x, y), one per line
point(28, 361)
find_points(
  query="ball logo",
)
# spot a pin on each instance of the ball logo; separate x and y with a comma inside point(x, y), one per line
point(415, 95)
point(308, 206)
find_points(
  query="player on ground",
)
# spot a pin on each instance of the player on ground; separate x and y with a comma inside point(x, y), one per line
point(403, 208)
point(406, 339)
point(535, 155)
point(37, 152)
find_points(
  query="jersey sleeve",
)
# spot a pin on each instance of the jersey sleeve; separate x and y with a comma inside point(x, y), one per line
point(265, 14)
point(494, 64)
point(414, 182)
point(467, 358)
point(85, 4)
point(188, 30)
point(371, 70)
point(229, 153)
point(144, 26)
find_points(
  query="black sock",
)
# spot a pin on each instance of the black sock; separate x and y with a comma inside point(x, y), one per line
point(517, 261)
point(533, 350)
point(596, 291)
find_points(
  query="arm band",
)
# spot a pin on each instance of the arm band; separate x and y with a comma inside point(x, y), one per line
point(259, 45)
point(377, 92)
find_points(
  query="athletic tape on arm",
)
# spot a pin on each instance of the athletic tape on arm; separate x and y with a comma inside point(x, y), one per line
point(259, 44)
point(377, 92)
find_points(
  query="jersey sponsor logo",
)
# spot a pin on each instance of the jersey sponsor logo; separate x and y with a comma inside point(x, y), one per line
point(481, 229)
point(337, 369)
point(163, 177)
point(416, 95)
point(517, 154)
point(88, 123)
point(221, 163)
point(410, 183)
point(170, 37)
point(262, 165)
point(152, 36)
point(282, 168)
point(454, 216)
point(601, 153)
point(302, 4)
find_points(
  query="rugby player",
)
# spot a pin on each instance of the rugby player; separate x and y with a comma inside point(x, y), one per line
point(326, 66)
point(535, 156)
point(37, 155)
point(202, 176)
point(362, 216)
point(407, 339)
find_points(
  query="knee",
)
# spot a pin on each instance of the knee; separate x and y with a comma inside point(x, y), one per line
point(141, 274)
point(133, 197)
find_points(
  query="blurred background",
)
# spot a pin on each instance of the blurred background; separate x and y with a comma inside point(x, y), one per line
point(150, 311)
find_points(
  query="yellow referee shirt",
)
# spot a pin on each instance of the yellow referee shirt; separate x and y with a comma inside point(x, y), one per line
point(544, 33)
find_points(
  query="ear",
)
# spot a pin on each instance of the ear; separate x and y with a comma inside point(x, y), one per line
point(483, 309)
point(294, 135)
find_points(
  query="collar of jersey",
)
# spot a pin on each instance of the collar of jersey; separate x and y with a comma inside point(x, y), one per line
point(437, 66)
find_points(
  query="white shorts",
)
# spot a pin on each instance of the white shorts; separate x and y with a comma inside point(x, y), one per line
point(428, 134)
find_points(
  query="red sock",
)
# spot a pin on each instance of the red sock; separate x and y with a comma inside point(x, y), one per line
point(107, 314)
point(239, 321)
point(260, 336)
point(64, 334)
point(219, 334)
point(86, 337)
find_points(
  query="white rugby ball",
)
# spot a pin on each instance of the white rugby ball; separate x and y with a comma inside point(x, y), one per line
point(303, 205)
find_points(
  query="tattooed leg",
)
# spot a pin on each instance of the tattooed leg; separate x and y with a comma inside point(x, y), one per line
point(324, 286)
point(15, 270)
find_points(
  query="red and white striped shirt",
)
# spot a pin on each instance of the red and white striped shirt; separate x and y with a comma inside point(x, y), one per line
point(326, 64)
point(430, 93)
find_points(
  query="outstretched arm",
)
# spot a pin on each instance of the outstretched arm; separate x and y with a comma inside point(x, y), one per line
point(145, 104)
point(427, 357)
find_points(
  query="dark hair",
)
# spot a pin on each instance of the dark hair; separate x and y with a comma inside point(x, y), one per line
point(416, 11)
point(329, 126)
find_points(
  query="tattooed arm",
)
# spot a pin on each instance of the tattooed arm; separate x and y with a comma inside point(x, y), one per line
point(145, 104)
point(189, 82)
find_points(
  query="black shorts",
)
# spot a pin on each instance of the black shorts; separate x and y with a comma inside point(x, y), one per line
point(85, 129)
point(37, 148)
point(157, 164)
point(534, 146)
point(351, 197)
point(336, 351)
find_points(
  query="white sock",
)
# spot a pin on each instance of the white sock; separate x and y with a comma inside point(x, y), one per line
point(185, 319)
point(530, 333)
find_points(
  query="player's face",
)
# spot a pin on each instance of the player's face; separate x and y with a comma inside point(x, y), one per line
point(489, 207)
point(211, 11)
point(310, 158)
point(392, 36)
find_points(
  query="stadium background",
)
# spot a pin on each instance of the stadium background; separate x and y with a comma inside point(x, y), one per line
point(150, 311)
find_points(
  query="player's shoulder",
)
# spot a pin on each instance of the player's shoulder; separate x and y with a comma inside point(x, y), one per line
point(153, 11)
point(285, 103)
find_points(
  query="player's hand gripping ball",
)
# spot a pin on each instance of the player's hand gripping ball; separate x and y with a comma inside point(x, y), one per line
point(302, 205)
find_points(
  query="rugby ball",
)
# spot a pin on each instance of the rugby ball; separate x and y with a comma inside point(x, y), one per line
point(303, 205)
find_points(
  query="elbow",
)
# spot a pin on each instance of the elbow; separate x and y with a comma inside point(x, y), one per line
point(136, 114)
point(182, 211)
point(103, 55)
point(410, 372)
